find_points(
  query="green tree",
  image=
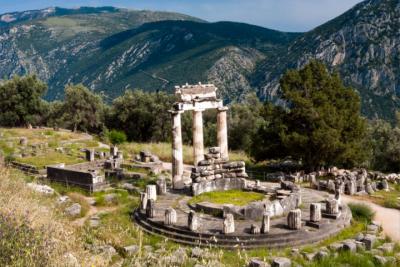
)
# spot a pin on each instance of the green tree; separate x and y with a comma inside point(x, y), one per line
point(116, 137)
point(321, 125)
point(21, 101)
point(83, 109)
point(385, 144)
point(142, 116)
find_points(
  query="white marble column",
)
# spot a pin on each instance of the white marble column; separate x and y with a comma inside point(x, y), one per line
point(198, 146)
point(177, 152)
point(222, 132)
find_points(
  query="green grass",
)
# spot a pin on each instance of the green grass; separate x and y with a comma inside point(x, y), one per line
point(122, 197)
point(388, 199)
point(50, 158)
point(362, 212)
point(235, 197)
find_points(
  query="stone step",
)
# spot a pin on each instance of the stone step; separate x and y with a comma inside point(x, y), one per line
point(227, 241)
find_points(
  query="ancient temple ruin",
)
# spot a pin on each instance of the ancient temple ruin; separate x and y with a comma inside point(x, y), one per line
point(196, 98)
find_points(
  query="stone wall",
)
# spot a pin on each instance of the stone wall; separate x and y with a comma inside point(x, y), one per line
point(218, 185)
point(84, 179)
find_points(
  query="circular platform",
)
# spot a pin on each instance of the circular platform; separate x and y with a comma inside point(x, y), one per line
point(210, 232)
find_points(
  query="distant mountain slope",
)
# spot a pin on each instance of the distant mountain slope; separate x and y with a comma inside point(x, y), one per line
point(112, 49)
point(363, 44)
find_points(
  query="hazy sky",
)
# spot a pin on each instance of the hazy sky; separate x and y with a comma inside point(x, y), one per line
point(285, 15)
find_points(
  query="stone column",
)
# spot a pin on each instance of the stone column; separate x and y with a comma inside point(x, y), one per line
point(177, 152)
point(254, 229)
point(198, 146)
point(151, 191)
point(338, 197)
point(294, 219)
point(143, 201)
point(170, 216)
point(150, 208)
point(222, 132)
point(229, 224)
point(193, 221)
point(89, 154)
point(265, 224)
point(161, 186)
point(315, 212)
point(332, 206)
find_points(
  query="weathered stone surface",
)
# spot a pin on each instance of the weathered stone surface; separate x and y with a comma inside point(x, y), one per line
point(151, 191)
point(335, 246)
point(387, 247)
point(228, 224)
point(94, 221)
point(321, 254)
point(63, 199)
point(255, 229)
point(193, 221)
point(369, 241)
point(44, 189)
point(150, 208)
point(332, 206)
point(170, 216)
point(315, 212)
point(131, 250)
point(89, 154)
point(73, 210)
point(143, 201)
point(294, 219)
point(349, 246)
point(258, 263)
point(281, 262)
point(265, 224)
point(161, 186)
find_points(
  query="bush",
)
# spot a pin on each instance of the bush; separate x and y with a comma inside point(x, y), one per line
point(116, 137)
point(362, 212)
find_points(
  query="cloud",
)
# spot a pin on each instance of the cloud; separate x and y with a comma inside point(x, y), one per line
point(285, 15)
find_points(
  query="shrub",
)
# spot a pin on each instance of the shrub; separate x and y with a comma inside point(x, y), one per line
point(116, 137)
point(362, 212)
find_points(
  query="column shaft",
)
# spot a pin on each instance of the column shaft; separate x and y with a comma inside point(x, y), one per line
point(198, 146)
point(222, 132)
point(177, 154)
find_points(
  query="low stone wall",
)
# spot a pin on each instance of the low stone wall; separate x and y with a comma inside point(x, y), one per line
point(254, 210)
point(87, 180)
point(221, 184)
point(24, 167)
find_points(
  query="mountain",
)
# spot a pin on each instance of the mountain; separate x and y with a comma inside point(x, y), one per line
point(363, 45)
point(110, 49)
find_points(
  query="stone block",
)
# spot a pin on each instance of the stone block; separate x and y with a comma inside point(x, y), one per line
point(294, 219)
point(228, 224)
point(349, 245)
point(258, 263)
point(281, 262)
point(369, 241)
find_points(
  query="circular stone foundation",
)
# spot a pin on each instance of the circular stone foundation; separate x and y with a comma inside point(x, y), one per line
point(211, 225)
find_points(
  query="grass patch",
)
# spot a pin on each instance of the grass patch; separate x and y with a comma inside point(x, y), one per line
point(362, 212)
point(235, 197)
point(120, 197)
point(49, 159)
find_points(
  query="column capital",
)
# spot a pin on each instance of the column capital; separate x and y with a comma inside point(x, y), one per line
point(222, 109)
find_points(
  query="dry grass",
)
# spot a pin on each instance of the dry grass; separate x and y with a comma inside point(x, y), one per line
point(57, 236)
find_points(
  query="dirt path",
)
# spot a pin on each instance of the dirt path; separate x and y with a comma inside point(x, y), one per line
point(388, 218)
point(92, 211)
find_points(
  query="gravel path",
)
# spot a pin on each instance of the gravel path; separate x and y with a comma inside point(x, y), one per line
point(388, 218)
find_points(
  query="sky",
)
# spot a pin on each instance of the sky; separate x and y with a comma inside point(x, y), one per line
point(284, 15)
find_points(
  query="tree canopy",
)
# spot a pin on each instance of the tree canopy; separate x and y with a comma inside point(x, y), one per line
point(82, 109)
point(321, 124)
point(21, 101)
